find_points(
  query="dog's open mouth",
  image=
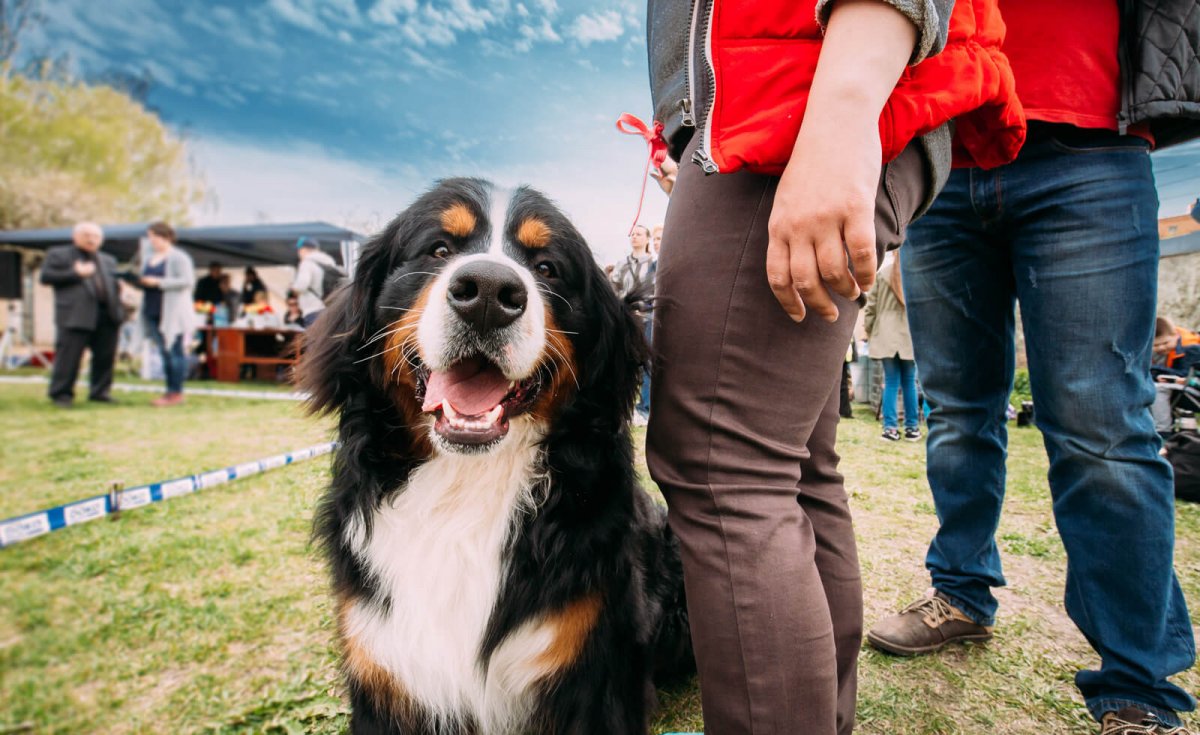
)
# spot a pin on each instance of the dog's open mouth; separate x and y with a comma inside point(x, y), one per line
point(472, 401)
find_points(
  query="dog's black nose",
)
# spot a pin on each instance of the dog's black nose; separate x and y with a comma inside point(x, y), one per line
point(487, 295)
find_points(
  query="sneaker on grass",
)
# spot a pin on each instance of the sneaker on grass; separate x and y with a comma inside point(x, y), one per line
point(890, 435)
point(912, 435)
point(925, 626)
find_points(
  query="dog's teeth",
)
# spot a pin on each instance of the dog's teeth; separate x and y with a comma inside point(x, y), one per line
point(494, 415)
point(448, 409)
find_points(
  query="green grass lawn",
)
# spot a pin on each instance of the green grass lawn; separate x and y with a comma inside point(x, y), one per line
point(209, 613)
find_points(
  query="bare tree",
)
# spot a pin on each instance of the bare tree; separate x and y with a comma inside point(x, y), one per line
point(16, 17)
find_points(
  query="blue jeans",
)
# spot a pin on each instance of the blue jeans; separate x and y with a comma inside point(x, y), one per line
point(899, 376)
point(1069, 230)
point(643, 404)
point(174, 360)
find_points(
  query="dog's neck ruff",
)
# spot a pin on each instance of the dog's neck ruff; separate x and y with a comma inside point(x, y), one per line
point(437, 550)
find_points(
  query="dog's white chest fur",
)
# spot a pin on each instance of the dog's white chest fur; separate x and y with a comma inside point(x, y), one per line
point(437, 550)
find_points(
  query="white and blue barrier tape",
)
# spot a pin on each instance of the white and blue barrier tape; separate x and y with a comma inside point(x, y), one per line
point(191, 391)
point(22, 528)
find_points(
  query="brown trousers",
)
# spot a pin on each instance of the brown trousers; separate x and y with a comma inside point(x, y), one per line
point(743, 423)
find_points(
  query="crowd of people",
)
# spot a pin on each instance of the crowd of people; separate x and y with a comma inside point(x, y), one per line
point(97, 302)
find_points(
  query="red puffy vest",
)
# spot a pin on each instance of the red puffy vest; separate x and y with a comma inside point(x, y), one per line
point(762, 56)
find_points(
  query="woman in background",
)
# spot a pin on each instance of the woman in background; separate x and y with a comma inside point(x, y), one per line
point(252, 286)
point(167, 278)
point(886, 322)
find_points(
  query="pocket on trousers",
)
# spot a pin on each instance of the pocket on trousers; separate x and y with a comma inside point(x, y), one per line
point(902, 189)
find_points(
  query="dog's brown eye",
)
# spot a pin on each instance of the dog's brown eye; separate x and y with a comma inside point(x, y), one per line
point(440, 250)
point(546, 270)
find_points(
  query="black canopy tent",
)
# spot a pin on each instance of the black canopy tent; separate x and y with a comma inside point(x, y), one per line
point(229, 245)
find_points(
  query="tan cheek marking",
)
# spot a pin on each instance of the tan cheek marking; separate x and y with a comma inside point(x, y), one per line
point(399, 348)
point(534, 233)
point(387, 693)
point(458, 220)
point(572, 626)
point(560, 353)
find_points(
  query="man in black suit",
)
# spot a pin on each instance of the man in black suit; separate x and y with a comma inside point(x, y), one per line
point(87, 313)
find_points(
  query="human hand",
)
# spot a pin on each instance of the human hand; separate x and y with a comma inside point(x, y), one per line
point(151, 281)
point(85, 268)
point(665, 175)
point(822, 226)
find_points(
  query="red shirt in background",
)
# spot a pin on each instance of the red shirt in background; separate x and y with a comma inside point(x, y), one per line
point(1064, 57)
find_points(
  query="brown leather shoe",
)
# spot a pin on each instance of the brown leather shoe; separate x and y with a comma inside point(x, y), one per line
point(1134, 721)
point(925, 626)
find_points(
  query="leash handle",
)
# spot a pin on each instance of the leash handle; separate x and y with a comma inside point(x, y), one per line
point(630, 124)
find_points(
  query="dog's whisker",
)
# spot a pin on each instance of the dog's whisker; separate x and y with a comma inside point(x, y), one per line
point(546, 290)
point(379, 336)
point(564, 361)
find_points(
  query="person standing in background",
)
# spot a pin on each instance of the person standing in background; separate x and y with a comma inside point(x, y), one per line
point(87, 313)
point(208, 288)
point(635, 275)
point(252, 285)
point(309, 284)
point(168, 314)
point(886, 323)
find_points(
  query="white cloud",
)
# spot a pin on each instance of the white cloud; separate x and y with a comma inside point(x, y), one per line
point(533, 33)
point(603, 26)
point(388, 12)
point(294, 13)
point(319, 16)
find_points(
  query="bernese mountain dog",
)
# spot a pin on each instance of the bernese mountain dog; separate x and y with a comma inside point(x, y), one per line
point(497, 568)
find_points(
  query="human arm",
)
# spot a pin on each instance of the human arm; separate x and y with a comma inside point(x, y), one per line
point(304, 278)
point(825, 203)
point(59, 269)
point(931, 18)
point(180, 274)
point(665, 175)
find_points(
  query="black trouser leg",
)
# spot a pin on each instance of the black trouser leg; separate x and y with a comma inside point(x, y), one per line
point(68, 350)
point(104, 354)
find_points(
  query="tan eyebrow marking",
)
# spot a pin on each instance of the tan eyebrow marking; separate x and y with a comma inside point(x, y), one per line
point(458, 220)
point(534, 233)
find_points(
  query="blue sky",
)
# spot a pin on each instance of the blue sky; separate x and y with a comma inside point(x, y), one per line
point(343, 110)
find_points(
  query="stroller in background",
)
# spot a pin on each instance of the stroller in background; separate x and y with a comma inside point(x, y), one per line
point(1182, 441)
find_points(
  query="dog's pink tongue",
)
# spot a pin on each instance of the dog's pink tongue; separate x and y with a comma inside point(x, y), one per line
point(472, 386)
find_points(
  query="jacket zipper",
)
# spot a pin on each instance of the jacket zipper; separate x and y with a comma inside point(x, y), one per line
point(687, 104)
point(1125, 65)
point(703, 153)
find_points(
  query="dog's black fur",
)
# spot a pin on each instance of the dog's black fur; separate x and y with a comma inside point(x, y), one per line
point(595, 534)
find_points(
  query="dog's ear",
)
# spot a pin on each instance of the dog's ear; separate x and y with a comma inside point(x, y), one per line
point(330, 367)
point(619, 355)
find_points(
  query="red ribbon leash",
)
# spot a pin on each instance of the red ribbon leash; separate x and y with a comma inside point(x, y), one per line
point(632, 125)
